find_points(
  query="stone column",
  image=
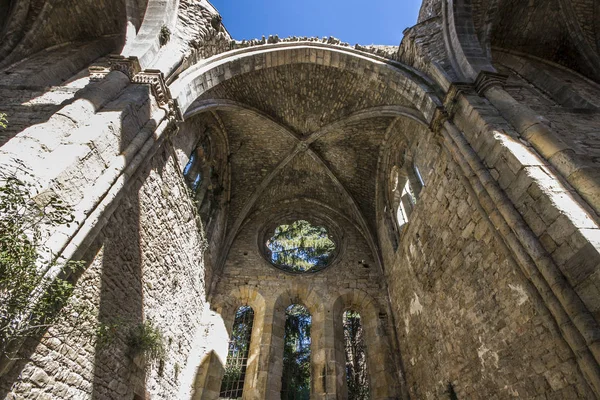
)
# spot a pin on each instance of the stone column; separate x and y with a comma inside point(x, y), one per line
point(256, 355)
point(584, 177)
point(324, 366)
point(270, 359)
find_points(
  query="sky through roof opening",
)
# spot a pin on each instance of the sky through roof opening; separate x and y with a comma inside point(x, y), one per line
point(379, 22)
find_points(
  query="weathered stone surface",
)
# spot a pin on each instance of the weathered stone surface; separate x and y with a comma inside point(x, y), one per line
point(486, 279)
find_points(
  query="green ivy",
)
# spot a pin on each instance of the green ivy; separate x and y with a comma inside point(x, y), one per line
point(29, 301)
point(146, 339)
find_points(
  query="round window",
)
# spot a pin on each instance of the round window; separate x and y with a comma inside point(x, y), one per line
point(300, 247)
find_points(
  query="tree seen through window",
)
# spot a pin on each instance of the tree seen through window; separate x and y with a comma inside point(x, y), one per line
point(232, 385)
point(295, 379)
point(356, 358)
point(301, 247)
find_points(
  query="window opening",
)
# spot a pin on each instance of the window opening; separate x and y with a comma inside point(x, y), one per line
point(295, 379)
point(232, 385)
point(301, 247)
point(405, 204)
point(419, 176)
point(356, 358)
point(204, 181)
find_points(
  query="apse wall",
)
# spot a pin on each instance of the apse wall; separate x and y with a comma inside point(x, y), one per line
point(467, 318)
point(145, 265)
point(353, 272)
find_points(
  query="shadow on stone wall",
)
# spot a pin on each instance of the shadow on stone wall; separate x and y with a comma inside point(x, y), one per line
point(121, 300)
point(113, 281)
point(117, 370)
point(33, 90)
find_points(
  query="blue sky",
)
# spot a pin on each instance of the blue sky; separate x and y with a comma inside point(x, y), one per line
point(352, 21)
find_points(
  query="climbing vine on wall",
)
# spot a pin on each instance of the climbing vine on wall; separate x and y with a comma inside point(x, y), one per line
point(29, 301)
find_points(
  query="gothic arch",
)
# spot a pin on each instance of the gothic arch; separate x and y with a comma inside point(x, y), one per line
point(210, 372)
point(415, 87)
point(380, 362)
point(462, 44)
point(313, 301)
point(212, 105)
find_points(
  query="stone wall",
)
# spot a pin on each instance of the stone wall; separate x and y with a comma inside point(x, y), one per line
point(146, 264)
point(354, 271)
point(38, 25)
point(464, 311)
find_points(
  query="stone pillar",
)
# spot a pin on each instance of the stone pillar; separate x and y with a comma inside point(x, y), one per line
point(270, 359)
point(334, 355)
point(584, 177)
point(256, 355)
point(325, 369)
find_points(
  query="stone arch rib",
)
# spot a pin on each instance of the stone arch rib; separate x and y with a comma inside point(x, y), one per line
point(413, 86)
point(302, 145)
point(462, 44)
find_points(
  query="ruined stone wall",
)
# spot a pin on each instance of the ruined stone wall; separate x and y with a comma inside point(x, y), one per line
point(354, 270)
point(146, 264)
point(465, 313)
point(33, 90)
point(568, 101)
point(39, 25)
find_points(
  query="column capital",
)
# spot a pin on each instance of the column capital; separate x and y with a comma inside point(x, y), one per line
point(130, 66)
point(440, 116)
point(455, 90)
point(487, 79)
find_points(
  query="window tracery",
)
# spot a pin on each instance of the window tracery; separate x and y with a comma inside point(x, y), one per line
point(300, 247)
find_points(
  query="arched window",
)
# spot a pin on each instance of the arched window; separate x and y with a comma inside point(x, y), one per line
point(356, 357)
point(232, 385)
point(295, 379)
point(202, 178)
point(405, 185)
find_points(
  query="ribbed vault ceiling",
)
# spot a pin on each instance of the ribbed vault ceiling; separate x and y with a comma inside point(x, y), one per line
point(280, 151)
point(305, 97)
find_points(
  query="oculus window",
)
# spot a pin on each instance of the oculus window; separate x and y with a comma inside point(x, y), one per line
point(300, 247)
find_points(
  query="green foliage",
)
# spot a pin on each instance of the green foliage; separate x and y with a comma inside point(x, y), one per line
point(237, 356)
point(29, 302)
point(106, 333)
point(356, 359)
point(295, 380)
point(3, 121)
point(164, 36)
point(301, 246)
point(146, 339)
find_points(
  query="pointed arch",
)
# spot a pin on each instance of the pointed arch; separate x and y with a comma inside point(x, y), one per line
point(379, 353)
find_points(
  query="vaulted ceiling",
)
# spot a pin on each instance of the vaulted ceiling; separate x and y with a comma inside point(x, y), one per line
point(300, 132)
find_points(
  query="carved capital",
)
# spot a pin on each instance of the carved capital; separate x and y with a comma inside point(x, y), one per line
point(98, 72)
point(157, 83)
point(440, 116)
point(130, 66)
point(456, 89)
point(487, 79)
